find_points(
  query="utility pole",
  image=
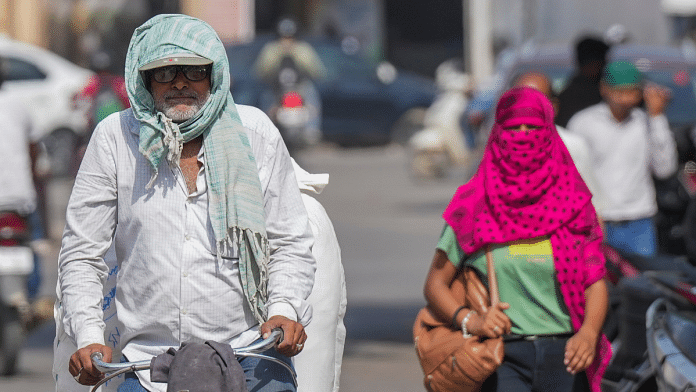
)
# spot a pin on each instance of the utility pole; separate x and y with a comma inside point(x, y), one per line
point(478, 42)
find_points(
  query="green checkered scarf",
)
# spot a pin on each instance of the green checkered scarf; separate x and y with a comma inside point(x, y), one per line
point(234, 189)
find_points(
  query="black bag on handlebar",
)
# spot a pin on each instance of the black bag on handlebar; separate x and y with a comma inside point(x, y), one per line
point(199, 367)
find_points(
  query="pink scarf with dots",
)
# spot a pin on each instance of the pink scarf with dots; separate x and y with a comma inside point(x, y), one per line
point(527, 186)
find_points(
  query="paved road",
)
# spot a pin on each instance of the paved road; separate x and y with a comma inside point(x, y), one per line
point(387, 226)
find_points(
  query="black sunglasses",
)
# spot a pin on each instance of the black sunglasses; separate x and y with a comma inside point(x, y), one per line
point(194, 73)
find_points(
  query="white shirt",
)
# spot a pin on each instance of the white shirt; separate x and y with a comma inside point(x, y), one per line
point(580, 152)
point(16, 180)
point(625, 155)
point(170, 288)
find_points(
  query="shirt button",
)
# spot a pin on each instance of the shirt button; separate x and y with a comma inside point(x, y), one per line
point(188, 238)
point(183, 311)
point(185, 274)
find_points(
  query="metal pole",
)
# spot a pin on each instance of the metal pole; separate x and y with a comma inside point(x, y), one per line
point(480, 39)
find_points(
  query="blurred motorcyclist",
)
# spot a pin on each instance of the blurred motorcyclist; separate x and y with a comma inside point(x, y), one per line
point(288, 46)
point(20, 173)
point(289, 51)
point(107, 93)
point(109, 89)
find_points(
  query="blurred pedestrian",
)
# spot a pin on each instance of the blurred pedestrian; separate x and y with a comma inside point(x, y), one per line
point(529, 206)
point(628, 147)
point(583, 89)
point(576, 144)
point(198, 197)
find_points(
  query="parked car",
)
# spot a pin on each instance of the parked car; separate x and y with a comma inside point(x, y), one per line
point(362, 103)
point(53, 90)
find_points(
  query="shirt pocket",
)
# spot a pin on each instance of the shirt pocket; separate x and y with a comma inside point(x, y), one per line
point(229, 257)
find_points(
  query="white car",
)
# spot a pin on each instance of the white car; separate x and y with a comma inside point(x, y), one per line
point(56, 93)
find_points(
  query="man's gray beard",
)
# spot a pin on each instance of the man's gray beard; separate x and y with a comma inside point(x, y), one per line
point(176, 115)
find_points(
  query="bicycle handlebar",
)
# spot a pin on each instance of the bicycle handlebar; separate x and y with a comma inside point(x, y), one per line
point(252, 350)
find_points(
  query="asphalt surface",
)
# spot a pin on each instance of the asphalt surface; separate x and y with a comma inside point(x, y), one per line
point(387, 225)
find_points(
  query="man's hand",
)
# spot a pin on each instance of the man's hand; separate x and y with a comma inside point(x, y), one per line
point(656, 98)
point(81, 366)
point(580, 351)
point(294, 334)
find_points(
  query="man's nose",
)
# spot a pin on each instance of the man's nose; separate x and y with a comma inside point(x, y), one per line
point(180, 81)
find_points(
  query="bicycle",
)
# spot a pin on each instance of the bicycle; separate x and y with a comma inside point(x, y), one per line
point(252, 350)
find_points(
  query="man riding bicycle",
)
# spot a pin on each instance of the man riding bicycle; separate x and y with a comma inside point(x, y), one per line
point(199, 198)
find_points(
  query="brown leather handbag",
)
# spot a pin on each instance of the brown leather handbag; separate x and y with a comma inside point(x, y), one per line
point(451, 362)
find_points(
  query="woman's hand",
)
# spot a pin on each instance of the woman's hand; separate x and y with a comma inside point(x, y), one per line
point(581, 348)
point(494, 323)
point(580, 351)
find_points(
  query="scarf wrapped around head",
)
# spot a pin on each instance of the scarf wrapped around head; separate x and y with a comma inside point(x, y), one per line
point(526, 187)
point(234, 189)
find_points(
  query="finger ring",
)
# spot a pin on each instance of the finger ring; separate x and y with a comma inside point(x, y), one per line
point(79, 373)
point(299, 345)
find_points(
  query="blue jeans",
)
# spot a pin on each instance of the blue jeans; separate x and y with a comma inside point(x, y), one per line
point(261, 375)
point(532, 366)
point(637, 236)
point(35, 278)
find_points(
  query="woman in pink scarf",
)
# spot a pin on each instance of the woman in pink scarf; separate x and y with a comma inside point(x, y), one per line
point(528, 204)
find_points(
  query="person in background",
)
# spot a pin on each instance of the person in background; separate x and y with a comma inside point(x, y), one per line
point(107, 93)
point(318, 366)
point(583, 89)
point(628, 146)
point(199, 199)
point(576, 145)
point(19, 178)
point(108, 89)
point(288, 48)
point(290, 51)
point(529, 206)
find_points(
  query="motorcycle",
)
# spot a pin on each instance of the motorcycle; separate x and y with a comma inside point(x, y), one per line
point(16, 263)
point(295, 110)
point(441, 145)
point(671, 351)
point(637, 284)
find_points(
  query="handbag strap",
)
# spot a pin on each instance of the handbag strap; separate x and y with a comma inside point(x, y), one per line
point(492, 279)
